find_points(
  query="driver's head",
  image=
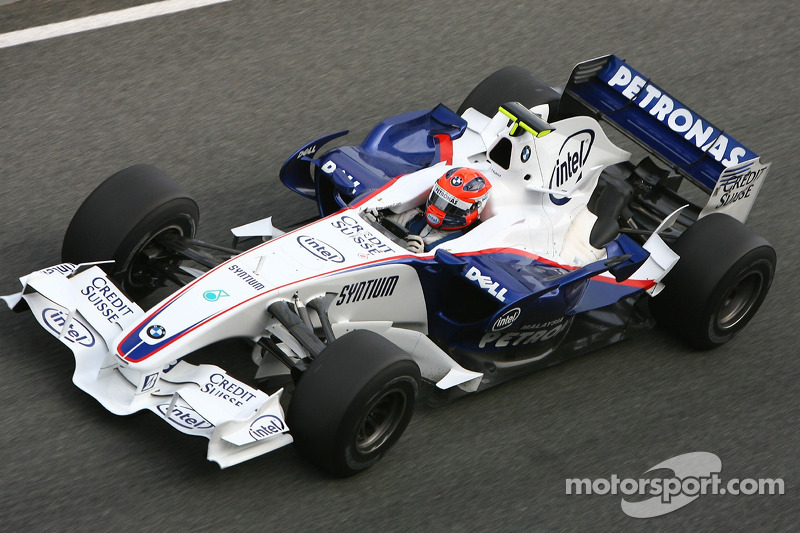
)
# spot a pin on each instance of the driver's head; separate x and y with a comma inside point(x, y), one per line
point(457, 198)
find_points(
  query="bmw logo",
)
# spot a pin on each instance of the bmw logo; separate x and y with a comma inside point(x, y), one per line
point(526, 154)
point(156, 332)
point(456, 181)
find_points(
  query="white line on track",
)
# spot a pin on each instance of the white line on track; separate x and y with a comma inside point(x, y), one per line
point(93, 22)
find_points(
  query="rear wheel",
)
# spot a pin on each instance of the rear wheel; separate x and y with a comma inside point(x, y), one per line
point(511, 84)
point(721, 279)
point(125, 220)
point(353, 402)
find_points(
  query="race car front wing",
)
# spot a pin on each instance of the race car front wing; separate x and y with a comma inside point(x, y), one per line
point(82, 308)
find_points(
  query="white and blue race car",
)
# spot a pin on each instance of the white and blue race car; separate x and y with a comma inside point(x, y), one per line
point(577, 247)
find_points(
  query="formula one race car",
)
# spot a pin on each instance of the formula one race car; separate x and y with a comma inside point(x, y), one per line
point(577, 247)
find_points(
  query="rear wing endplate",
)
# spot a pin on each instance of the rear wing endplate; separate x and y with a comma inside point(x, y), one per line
point(609, 89)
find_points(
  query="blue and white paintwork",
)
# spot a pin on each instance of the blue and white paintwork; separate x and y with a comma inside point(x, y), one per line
point(523, 289)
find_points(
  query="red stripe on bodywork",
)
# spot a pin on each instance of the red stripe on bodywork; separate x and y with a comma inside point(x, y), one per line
point(445, 148)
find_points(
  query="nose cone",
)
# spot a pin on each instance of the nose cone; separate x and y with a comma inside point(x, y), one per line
point(217, 292)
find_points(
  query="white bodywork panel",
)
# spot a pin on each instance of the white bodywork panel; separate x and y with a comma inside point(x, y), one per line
point(662, 258)
point(547, 183)
point(435, 364)
point(260, 228)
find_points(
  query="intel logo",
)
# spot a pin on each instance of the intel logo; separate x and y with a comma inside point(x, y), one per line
point(320, 249)
point(433, 219)
point(184, 416)
point(266, 426)
point(508, 318)
point(76, 332)
point(568, 168)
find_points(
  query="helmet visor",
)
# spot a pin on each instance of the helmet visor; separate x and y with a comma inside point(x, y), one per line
point(446, 202)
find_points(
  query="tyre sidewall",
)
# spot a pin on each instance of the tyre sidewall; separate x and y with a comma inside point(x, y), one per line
point(399, 377)
point(715, 253)
point(336, 391)
point(178, 213)
point(757, 260)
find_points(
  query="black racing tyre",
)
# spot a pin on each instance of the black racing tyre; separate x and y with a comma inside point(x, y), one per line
point(511, 84)
point(353, 402)
point(721, 279)
point(122, 220)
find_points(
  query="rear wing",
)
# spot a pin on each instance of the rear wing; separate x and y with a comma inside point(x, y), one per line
point(609, 89)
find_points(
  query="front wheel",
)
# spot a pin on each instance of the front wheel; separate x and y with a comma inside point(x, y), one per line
point(126, 219)
point(353, 402)
point(721, 279)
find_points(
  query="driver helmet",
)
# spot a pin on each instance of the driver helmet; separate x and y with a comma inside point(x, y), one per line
point(457, 198)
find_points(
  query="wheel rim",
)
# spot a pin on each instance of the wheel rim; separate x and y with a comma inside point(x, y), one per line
point(739, 300)
point(150, 261)
point(381, 421)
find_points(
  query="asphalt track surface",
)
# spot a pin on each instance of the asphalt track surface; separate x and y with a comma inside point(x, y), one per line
point(219, 97)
